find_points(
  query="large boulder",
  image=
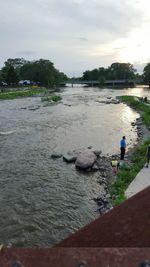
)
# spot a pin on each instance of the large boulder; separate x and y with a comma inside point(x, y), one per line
point(85, 160)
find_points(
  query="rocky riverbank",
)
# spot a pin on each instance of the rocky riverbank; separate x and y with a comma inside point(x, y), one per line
point(102, 165)
point(107, 177)
point(135, 156)
point(93, 161)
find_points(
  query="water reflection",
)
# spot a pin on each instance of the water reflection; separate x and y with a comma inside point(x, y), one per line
point(127, 114)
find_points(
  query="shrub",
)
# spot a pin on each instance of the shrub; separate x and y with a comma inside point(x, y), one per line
point(54, 98)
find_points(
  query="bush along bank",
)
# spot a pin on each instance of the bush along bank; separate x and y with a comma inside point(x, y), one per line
point(127, 173)
point(54, 98)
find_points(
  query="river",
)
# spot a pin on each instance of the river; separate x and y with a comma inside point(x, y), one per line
point(42, 201)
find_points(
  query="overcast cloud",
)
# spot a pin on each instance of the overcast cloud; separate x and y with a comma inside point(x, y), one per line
point(76, 34)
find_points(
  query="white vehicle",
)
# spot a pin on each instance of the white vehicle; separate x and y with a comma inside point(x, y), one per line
point(3, 84)
point(24, 82)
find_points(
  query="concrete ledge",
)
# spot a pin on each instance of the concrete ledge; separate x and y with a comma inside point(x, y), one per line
point(141, 181)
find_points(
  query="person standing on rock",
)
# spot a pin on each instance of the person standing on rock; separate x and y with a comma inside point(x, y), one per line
point(122, 147)
point(148, 156)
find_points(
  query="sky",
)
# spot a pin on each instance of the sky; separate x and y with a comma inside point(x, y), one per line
point(76, 35)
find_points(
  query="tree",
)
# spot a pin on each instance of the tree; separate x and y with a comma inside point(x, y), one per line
point(1, 78)
point(38, 71)
point(9, 75)
point(17, 63)
point(116, 71)
point(87, 75)
point(101, 80)
point(42, 71)
point(59, 77)
point(146, 74)
point(122, 71)
point(26, 72)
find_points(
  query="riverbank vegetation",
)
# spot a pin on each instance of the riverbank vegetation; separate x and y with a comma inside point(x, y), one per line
point(23, 93)
point(43, 72)
point(54, 98)
point(40, 72)
point(116, 71)
point(146, 74)
point(30, 93)
point(140, 106)
point(128, 173)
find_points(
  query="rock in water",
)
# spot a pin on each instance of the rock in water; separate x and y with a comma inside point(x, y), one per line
point(69, 158)
point(95, 167)
point(97, 152)
point(56, 156)
point(85, 160)
point(34, 107)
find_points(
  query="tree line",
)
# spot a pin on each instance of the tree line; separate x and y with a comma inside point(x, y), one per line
point(117, 71)
point(40, 72)
point(43, 72)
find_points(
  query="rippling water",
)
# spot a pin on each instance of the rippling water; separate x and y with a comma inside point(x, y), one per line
point(42, 200)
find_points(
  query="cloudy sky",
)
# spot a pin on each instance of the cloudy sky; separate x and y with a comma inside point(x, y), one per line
point(76, 34)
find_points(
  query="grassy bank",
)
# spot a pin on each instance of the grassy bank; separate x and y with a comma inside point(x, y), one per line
point(15, 94)
point(128, 173)
point(140, 106)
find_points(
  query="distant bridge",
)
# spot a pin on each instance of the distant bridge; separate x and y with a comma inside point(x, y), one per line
point(125, 82)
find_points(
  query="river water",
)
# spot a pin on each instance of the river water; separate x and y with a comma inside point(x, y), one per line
point(42, 201)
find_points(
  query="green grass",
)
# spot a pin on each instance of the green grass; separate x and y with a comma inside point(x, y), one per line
point(54, 98)
point(16, 94)
point(140, 106)
point(127, 173)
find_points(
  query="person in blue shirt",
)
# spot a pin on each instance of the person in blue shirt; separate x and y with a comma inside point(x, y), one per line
point(122, 147)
